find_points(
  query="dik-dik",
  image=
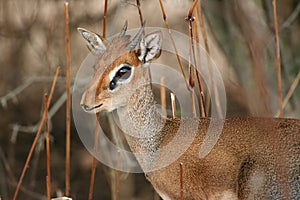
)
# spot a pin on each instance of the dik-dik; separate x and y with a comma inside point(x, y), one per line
point(254, 158)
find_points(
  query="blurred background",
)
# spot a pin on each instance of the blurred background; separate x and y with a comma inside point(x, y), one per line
point(241, 40)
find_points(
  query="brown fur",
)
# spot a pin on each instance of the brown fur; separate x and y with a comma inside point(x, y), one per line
point(245, 149)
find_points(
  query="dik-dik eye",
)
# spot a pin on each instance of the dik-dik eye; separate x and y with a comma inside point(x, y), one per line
point(122, 75)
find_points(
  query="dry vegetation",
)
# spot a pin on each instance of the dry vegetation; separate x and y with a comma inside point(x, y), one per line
point(241, 40)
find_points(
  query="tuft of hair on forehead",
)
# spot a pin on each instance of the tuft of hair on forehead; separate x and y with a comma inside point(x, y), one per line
point(118, 44)
point(115, 49)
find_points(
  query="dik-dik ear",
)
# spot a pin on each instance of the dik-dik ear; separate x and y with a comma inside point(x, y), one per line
point(93, 40)
point(150, 47)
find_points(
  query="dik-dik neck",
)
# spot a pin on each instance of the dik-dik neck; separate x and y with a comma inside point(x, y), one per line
point(142, 124)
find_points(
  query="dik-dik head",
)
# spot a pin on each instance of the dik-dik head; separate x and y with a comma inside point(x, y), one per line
point(119, 69)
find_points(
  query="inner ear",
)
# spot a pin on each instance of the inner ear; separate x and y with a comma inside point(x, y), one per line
point(150, 47)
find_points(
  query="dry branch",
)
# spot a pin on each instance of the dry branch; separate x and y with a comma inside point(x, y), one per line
point(173, 43)
point(12, 95)
point(291, 18)
point(278, 59)
point(181, 181)
point(190, 18)
point(36, 137)
point(31, 129)
point(104, 19)
point(68, 107)
point(48, 152)
point(138, 4)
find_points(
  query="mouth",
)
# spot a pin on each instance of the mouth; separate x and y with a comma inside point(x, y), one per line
point(91, 109)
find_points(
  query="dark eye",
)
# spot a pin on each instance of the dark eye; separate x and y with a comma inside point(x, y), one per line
point(123, 73)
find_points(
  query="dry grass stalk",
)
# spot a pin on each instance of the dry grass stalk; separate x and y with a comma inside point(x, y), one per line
point(199, 19)
point(104, 19)
point(138, 4)
point(68, 109)
point(192, 72)
point(94, 164)
point(36, 137)
point(48, 152)
point(189, 84)
point(193, 103)
point(190, 18)
point(173, 103)
point(196, 34)
point(173, 43)
point(181, 182)
point(278, 59)
point(192, 8)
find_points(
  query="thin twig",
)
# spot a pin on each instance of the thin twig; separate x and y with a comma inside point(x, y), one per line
point(48, 152)
point(181, 181)
point(290, 92)
point(174, 45)
point(278, 59)
point(192, 93)
point(192, 72)
point(12, 95)
point(191, 10)
point(190, 18)
point(138, 4)
point(68, 106)
point(94, 164)
point(32, 129)
point(173, 103)
point(203, 31)
point(291, 18)
point(36, 137)
point(104, 19)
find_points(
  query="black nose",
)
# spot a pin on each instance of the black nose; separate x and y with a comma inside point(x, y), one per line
point(86, 108)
